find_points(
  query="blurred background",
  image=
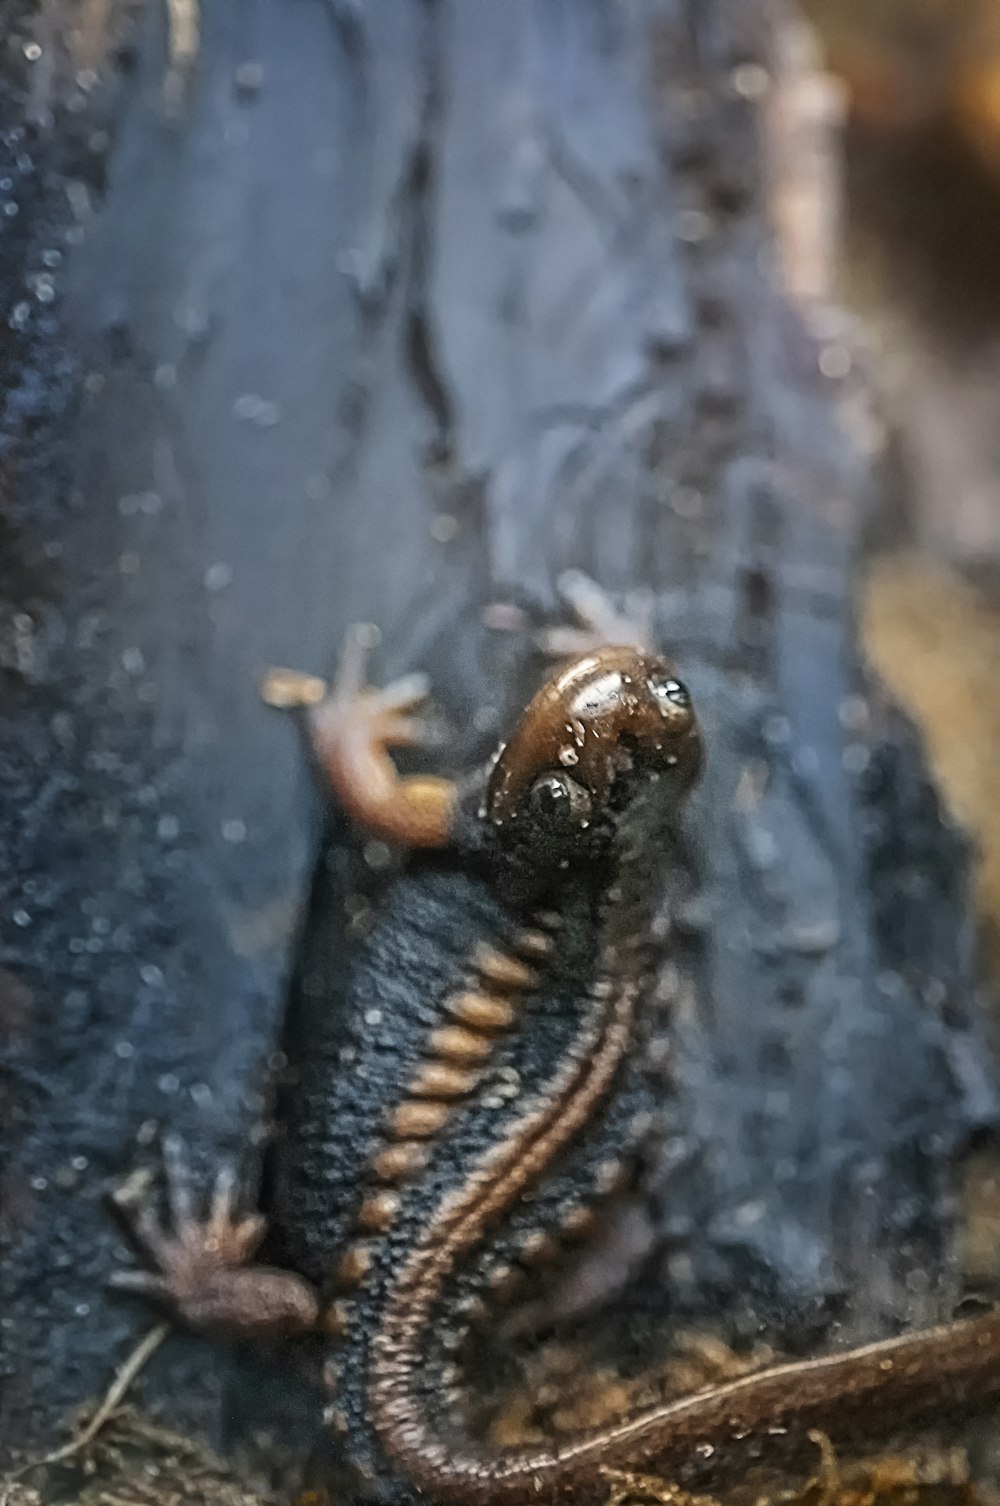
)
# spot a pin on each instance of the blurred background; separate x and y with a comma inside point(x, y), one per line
point(919, 91)
point(920, 264)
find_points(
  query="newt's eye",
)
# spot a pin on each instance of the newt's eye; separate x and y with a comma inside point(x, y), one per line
point(557, 800)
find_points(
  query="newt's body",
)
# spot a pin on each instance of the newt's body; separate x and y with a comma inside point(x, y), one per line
point(463, 1094)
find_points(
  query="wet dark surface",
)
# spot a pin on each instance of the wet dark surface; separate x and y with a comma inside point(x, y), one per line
point(449, 300)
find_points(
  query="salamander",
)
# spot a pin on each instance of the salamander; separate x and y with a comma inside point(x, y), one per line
point(461, 1098)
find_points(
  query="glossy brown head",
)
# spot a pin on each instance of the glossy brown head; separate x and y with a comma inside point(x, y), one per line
point(606, 725)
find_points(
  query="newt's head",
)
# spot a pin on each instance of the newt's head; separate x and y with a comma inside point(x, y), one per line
point(603, 730)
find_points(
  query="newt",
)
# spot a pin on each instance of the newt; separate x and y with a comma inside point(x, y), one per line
point(465, 1095)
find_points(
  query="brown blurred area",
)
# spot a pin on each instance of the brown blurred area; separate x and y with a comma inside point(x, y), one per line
point(921, 267)
point(909, 62)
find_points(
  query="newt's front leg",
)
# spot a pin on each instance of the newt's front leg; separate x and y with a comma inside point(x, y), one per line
point(351, 727)
point(599, 621)
point(200, 1266)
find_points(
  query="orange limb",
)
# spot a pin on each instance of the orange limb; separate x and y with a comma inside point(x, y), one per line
point(351, 728)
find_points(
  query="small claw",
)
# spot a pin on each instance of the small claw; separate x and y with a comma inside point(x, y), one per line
point(178, 1183)
point(359, 640)
point(581, 592)
point(403, 694)
point(565, 642)
point(220, 1215)
point(142, 1283)
point(409, 732)
point(139, 1219)
point(129, 1194)
point(248, 1233)
point(286, 689)
point(231, 1238)
point(150, 1233)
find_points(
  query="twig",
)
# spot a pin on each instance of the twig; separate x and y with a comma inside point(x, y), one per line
point(183, 43)
point(123, 1379)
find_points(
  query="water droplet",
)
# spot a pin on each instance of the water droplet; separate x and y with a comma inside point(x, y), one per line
point(486, 718)
point(750, 80)
point(248, 78)
point(218, 576)
point(672, 691)
point(253, 409)
point(693, 226)
point(444, 528)
point(377, 856)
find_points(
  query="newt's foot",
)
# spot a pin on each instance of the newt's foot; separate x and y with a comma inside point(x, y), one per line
point(351, 726)
point(600, 621)
point(383, 714)
point(200, 1265)
point(386, 712)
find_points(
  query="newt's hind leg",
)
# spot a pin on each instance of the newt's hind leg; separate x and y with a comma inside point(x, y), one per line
point(351, 726)
point(201, 1266)
point(599, 622)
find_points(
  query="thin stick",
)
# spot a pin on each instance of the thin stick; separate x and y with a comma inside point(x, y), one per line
point(123, 1379)
point(183, 41)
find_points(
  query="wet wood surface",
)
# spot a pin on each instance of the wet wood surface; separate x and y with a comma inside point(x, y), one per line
point(394, 313)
